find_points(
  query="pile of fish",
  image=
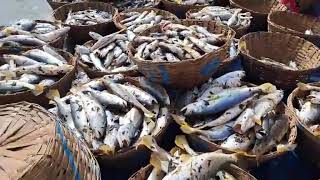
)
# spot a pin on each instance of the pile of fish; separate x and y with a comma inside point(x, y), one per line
point(32, 70)
point(88, 17)
point(235, 115)
point(130, 4)
point(109, 53)
point(68, 1)
point(182, 162)
point(177, 42)
point(292, 65)
point(309, 108)
point(193, 2)
point(113, 112)
point(31, 33)
point(231, 17)
point(139, 21)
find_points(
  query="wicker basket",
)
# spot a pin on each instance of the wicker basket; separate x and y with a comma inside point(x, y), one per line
point(186, 73)
point(80, 34)
point(179, 9)
point(259, 11)
point(113, 2)
point(63, 85)
point(240, 31)
point(235, 171)
point(309, 145)
point(203, 144)
point(34, 145)
point(295, 24)
point(57, 43)
point(280, 47)
point(95, 73)
point(120, 16)
point(55, 5)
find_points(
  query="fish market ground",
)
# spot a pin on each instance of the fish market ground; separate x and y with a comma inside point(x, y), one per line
point(286, 167)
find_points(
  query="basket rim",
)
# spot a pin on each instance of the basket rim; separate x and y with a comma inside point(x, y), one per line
point(271, 154)
point(118, 14)
point(234, 3)
point(242, 39)
point(69, 6)
point(197, 8)
point(281, 26)
point(290, 99)
point(230, 30)
point(71, 59)
point(181, 5)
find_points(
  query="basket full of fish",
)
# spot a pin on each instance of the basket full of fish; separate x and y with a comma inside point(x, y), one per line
point(259, 11)
point(180, 7)
point(27, 34)
point(112, 113)
point(232, 17)
point(282, 59)
point(301, 25)
point(182, 55)
point(25, 76)
point(35, 143)
point(304, 101)
point(84, 17)
point(106, 54)
point(58, 3)
point(227, 113)
point(139, 19)
point(131, 4)
point(182, 162)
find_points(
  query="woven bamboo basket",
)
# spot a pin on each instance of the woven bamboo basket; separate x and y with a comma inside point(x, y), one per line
point(186, 73)
point(179, 9)
point(295, 24)
point(55, 5)
point(34, 145)
point(120, 16)
point(58, 43)
point(80, 34)
point(240, 31)
point(133, 157)
point(92, 73)
point(247, 161)
point(63, 85)
point(234, 170)
point(279, 47)
point(309, 145)
point(120, 8)
point(259, 11)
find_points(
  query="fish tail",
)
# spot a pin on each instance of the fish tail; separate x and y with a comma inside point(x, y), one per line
point(181, 141)
point(285, 147)
point(53, 94)
point(179, 119)
point(9, 74)
point(187, 129)
point(303, 86)
point(38, 90)
point(147, 141)
point(257, 121)
point(105, 149)
point(268, 88)
point(155, 162)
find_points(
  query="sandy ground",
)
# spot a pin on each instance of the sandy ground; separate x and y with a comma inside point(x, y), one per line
point(12, 10)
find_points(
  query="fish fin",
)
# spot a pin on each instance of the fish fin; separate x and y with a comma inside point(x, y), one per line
point(155, 162)
point(38, 90)
point(285, 147)
point(243, 46)
point(147, 113)
point(174, 150)
point(8, 74)
point(303, 86)
point(105, 149)
point(268, 88)
point(147, 141)
point(187, 129)
point(52, 94)
point(258, 121)
point(179, 119)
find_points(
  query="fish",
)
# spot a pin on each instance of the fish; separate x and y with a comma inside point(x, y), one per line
point(203, 166)
point(23, 39)
point(182, 143)
point(19, 60)
point(218, 133)
point(95, 114)
point(161, 121)
point(142, 96)
point(42, 69)
point(314, 97)
point(276, 63)
point(108, 99)
point(123, 93)
point(30, 78)
point(156, 174)
point(245, 121)
point(309, 113)
point(53, 35)
point(42, 56)
point(95, 36)
point(147, 126)
point(88, 17)
point(225, 99)
point(238, 142)
point(17, 85)
point(129, 125)
point(110, 139)
point(48, 82)
point(54, 53)
point(277, 133)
